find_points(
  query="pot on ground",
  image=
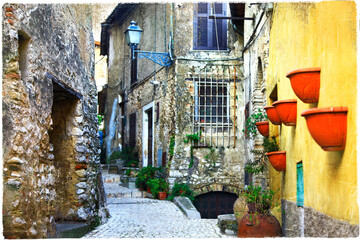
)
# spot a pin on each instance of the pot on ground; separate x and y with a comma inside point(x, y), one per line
point(162, 195)
point(257, 225)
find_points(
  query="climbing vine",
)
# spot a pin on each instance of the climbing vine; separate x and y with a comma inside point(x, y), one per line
point(194, 139)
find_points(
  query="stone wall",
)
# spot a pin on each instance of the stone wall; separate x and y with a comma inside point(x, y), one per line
point(50, 148)
point(256, 57)
point(307, 222)
point(174, 93)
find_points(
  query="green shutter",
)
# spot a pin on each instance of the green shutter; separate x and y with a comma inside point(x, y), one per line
point(300, 184)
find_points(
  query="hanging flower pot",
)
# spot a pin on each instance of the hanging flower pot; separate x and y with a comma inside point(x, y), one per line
point(306, 83)
point(286, 110)
point(272, 115)
point(263, 128)
point(278, 160)
point(327, 126)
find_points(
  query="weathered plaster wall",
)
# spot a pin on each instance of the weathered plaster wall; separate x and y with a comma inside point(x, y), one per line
point(256, 58)
point(53, 39)
point(318, 35)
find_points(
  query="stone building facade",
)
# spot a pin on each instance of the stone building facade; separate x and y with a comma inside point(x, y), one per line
point(201, 91)
point(51, 170)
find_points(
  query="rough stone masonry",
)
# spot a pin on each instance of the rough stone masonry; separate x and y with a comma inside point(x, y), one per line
point(51, 167)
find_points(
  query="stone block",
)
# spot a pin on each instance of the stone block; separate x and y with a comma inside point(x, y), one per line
point(187, 207)
point(228, 223)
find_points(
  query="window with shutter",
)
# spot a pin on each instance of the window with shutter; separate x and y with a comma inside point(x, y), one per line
point(300, 184)
point(210, 34)
point(132, 130)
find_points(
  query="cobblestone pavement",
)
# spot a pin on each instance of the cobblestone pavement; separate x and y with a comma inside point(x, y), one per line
point(149, 218)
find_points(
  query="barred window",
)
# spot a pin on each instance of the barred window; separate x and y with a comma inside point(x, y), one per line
point(213, 108)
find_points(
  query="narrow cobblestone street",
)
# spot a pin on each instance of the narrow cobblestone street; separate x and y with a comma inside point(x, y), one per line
point(134, 217)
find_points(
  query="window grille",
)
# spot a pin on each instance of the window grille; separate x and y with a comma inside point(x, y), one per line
point(213, 109)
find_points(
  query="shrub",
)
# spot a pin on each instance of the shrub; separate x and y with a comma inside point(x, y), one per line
point(187, 191)
point(157, 185)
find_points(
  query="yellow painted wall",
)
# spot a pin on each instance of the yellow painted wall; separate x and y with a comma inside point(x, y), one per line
point(322, 35)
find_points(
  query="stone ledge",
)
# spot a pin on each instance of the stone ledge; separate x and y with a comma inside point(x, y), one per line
point(187, 207)
point(228, 224)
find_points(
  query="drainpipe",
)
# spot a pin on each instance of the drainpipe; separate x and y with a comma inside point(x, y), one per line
point(248, 44)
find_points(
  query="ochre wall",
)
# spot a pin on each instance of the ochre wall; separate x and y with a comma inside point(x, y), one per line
point(317, 35)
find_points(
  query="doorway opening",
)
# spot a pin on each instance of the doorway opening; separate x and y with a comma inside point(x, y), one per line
point(147, 141)
point(212, 204)
point(63, 115)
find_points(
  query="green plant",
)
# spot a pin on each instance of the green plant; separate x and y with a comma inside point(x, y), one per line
point(212, 156)
point(270, 145)
point(194, 139)
point(261, 199)
point(100, 118)
point(186, 191)
point(144, 175)
point(157, 185)
point(250, 127)
point(255, 167)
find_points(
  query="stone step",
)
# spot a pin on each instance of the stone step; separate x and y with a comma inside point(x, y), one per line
point(71, 229)
point(228, 224)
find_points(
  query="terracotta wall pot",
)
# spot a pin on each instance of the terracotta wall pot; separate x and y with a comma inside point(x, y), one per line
point(272, 115)
point(263, 128)
point(162, 195)
point(327, 126)
point(306, 83)
point(277, 160)
point(286, 110)
point(259, 225)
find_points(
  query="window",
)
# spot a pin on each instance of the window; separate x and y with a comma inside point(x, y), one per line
point(132, 130)
point(213, 106)
point(211, 101)
point(210, 34)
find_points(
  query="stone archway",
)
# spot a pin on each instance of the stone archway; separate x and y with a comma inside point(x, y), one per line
point(215, 199)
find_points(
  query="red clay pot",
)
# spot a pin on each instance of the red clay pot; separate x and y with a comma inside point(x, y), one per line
point(286, 110)
point(148, 189)
point(263, 128)
point(278, 160)
point(327, 126)
point(272, 115)
point(162, 195)
point(257, 225)
point(306, 83)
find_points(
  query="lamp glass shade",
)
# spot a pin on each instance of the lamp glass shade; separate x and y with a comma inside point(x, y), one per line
point(133, 34)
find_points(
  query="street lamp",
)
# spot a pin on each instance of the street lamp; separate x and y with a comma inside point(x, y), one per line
point(133, 34)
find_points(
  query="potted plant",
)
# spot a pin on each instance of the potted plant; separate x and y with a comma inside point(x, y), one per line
point(257, 121)
point(277, 158)
point(306, 83)
point(183, 190)
point(286, 110)
point(144, 175)
point(259, 222)
point(158, 188)
point(327, 126)
point(272, 115)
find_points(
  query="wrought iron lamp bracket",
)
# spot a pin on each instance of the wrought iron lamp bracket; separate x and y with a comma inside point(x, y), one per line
point(160, 58)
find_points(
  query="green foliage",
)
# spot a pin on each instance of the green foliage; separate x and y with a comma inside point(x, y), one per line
point(270, 145)
point(144, 175)
point(263, 199)
point(250, 127)
point(130, 156)
point(194, 139)
point(157, 185)
point(186, 191)
point(212, 156)
point(100, 118)
point(172, 146)
point(255, 167)
point(113, 156)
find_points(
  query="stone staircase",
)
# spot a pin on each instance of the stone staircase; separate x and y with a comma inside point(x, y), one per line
point(114, 188)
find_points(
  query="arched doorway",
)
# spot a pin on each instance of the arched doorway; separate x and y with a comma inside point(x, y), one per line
point(212, 204)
